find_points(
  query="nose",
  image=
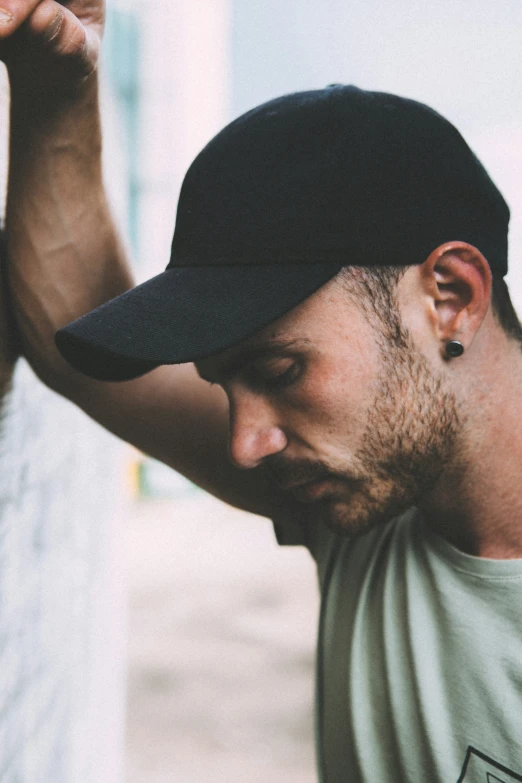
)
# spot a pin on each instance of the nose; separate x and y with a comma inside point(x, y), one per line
point(254, 433)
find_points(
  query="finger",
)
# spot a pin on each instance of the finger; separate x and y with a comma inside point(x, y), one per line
point(57, 27)
point(65, 37)
point(13, 13)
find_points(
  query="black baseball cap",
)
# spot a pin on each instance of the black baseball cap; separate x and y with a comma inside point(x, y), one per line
point(275, 205)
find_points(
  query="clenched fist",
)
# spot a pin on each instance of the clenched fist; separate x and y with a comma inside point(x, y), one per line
point(50, 46)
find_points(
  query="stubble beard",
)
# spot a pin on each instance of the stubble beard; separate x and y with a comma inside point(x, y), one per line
point(409, 440)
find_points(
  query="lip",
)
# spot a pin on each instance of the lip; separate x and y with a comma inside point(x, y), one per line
point(308, 490)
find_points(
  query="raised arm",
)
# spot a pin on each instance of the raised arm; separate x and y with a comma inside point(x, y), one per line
point(65, 257)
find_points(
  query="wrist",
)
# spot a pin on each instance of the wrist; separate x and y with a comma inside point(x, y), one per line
point(58, 119)
point(30, 97)
point(55, 136)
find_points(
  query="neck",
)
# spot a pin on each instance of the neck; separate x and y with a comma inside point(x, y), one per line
point(477, 503)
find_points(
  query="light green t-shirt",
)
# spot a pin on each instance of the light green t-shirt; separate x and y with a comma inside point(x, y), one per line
point(419, 664)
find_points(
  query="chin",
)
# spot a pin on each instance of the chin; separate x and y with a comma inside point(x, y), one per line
point(346, 518)
point(357, 515)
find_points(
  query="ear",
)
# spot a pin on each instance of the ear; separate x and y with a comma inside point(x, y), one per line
point(457, 279)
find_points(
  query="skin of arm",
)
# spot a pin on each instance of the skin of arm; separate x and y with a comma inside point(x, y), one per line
point(65, 257)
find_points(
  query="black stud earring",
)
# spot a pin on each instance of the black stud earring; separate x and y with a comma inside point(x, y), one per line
point(454, 348)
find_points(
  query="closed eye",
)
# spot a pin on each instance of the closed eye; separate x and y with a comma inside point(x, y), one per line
point(272, 374)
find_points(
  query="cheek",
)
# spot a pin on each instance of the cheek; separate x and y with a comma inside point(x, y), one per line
point(336, 398)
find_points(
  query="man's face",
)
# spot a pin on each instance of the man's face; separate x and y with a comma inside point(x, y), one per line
point(350, 421)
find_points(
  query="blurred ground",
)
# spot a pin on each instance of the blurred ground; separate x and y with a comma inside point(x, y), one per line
point(222, 637)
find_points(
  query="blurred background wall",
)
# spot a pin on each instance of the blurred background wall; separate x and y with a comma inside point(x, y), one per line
point(175, 72)
point(62, 606)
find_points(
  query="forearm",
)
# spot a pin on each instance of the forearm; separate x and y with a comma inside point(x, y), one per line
point(64, 254)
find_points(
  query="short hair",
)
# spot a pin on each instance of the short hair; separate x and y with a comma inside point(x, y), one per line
point(379, 283)
point(504, 309)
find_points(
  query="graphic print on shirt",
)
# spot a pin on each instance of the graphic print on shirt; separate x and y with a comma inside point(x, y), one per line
point(479, 768)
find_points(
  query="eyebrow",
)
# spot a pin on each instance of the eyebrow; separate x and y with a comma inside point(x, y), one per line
point(230, 367)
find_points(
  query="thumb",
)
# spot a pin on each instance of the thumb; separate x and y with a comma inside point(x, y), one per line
point(56, 36)
point(57, 28)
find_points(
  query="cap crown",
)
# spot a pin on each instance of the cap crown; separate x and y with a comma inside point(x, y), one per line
point(339, 174)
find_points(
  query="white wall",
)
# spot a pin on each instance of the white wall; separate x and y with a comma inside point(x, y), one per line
point(62, 606)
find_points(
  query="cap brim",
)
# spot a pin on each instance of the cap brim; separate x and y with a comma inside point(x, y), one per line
point(185, 314)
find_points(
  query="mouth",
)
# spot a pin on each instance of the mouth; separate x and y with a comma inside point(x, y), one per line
point(309, 490)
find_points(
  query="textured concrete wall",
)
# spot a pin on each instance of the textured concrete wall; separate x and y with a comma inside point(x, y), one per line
point(61, 597)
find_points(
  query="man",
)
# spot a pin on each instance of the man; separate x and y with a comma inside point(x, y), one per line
point(337, 270)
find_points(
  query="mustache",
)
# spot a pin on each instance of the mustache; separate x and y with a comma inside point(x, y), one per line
point(288, 472)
